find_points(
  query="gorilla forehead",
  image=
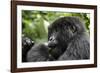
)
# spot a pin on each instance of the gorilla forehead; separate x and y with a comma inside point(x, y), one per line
point(66, 22)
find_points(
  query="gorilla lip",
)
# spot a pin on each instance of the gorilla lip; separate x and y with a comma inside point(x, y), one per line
point(51, 45)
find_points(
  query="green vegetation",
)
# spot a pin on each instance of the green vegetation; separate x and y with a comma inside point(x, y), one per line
point(35, 23)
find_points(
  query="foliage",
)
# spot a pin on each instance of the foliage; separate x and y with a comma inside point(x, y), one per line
point(35, 23)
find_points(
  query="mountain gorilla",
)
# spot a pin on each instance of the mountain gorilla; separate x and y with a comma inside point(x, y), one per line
point(67, 40)
point(39, 52)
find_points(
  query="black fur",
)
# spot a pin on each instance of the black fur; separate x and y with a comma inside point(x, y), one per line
point(39, 52)
point(68, 39)
point(26, 46)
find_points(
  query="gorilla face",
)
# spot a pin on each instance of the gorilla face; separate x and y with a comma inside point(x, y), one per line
point(58, 40)
point(61, 32)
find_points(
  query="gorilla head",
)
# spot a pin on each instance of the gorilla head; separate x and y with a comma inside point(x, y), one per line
point(62, 31)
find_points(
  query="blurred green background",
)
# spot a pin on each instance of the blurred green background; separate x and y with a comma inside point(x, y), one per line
point(35, 23)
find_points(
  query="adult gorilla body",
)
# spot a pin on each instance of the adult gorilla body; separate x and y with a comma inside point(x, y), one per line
point(68, 39)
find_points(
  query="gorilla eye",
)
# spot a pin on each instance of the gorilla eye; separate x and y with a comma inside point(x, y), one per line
point(73, 29)
point(52, 38)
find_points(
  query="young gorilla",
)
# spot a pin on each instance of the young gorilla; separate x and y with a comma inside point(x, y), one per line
point(26, 46)
point(39, 52)
point(68, 39)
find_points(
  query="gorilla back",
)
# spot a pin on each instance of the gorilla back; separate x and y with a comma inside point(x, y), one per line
point(68, 39)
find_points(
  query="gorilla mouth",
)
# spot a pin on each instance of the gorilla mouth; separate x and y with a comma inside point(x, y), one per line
point(52, 45)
